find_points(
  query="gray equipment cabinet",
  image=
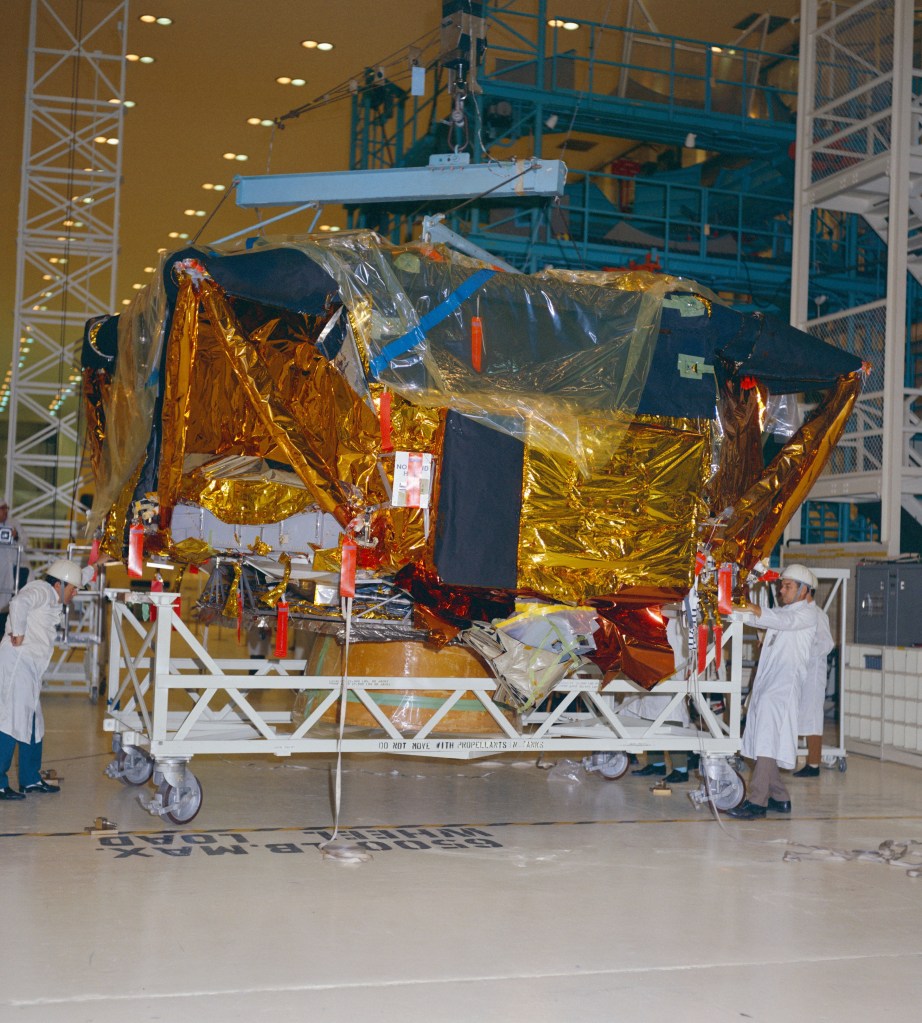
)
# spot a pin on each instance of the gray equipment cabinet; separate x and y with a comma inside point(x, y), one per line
point(888, 600)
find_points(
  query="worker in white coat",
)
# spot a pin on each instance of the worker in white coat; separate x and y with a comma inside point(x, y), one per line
point(813, 697)
point(770, 738)
point(25, 652)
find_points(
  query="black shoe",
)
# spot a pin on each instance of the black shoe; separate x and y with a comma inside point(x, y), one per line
point(807, 772)
point(9, 793)
point(678, 775)
point(40, 786)
point(645, 772)
point(779, 805)
point(694, 760)
point(747, 812)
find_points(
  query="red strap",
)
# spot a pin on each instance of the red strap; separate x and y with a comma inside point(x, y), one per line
point(94, 552)
point(347, 572)
point(718, 644)
point(136, 551)
point(477, 344)
point(281, 629)
point(384, 416)
point(725, 589)
point(702, 646)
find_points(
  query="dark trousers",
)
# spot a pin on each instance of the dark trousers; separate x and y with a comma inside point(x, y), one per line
point(765, 781)
point(30, 759)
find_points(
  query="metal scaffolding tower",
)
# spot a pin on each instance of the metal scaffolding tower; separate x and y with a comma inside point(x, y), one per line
point(859, 156)
point(66, 247)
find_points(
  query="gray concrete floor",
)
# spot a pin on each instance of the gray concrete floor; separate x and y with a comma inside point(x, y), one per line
point(494, 892)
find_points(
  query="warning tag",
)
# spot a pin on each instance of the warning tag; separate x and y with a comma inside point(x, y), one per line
point(412, 479)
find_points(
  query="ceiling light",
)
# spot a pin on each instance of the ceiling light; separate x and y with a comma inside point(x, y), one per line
point(267, 123)
point(173, 234)
point(101, 139)
point(716, 49)
point(128, 103)
point(208, 186)
point(111, 142)
point(137, 287)
point(148, 269)
point(148, 19)
point(146, 60)
point(126, 301)
point(189, 213)
point(298, 81)
point(182, 234)
point(164, 21)
point(284, 80)
point(567, 26)
point(252, 120)
point(309, 44)
point(324, 46)
point(230, 156)
point(132, 57)
point(219, 188)
point(241, 157)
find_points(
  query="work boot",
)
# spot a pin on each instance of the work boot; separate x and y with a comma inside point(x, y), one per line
point(39, 786)
point(807, 771)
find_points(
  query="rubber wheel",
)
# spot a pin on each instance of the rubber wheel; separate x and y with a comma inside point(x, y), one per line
point(184, 802)
point(133, 767)
point(731, 790)
point(615, 767)
point(843, 764)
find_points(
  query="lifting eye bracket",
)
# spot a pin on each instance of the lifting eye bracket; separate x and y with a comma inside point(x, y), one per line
point(693, 367)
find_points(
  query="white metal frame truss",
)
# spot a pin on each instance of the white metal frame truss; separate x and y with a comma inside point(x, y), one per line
point(67, 247)
point(859, 153)
point(170, 708)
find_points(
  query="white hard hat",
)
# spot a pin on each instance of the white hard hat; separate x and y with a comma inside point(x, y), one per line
point(66, 571)
point(799, 574)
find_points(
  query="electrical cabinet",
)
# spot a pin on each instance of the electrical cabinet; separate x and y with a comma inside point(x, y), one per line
point(888, 600)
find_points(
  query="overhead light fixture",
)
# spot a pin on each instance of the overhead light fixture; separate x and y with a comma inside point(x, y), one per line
point(241, 157)
point(567, 26)
point(717, 49)
point(284, 80)
point(208, 186)
point(324, 46)
point(309, 44)
point(252, 120)
point(691, 140)
point(230, 156)
point(220, 188)
point(298, 81)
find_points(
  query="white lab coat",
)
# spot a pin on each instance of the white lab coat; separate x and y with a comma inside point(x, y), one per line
point(34, 614)
point(771, 721)
point(813, 691)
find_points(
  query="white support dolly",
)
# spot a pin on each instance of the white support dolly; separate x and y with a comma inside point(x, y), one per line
point(164, 709)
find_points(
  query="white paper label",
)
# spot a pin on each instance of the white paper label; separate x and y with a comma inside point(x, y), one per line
point(412, 479)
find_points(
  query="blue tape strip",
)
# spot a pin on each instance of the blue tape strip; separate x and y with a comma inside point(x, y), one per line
point(418, 334)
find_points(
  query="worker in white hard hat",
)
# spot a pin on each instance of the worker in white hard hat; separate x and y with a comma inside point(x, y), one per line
point(25, 652)
point(6, 520)
point(10, 580)
point(770, 738)
point(810, 715)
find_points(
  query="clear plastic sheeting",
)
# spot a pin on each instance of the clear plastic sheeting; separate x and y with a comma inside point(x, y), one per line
point(131, 399)
point(552, 350)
